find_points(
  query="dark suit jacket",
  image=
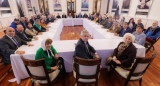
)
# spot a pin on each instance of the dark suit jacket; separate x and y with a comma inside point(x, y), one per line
point(126, 31)
point(59, 17)
point(23, 24)
point(85, 16)
point(108, 25)
point(8, 47)
point(82, 51)
point(20, 35)
point(64, 16)
point(128, 55)
point(36, 28)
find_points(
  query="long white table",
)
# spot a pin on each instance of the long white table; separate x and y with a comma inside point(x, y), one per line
point(103, 42)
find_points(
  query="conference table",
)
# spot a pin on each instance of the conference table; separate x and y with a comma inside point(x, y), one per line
point(104, 43)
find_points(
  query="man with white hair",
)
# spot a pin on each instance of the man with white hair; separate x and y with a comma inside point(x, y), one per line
point(139, 23)
point(152, 32)
point(83, 48)
point(104, 20)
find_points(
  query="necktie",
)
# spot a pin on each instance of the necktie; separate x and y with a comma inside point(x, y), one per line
point(87, 47)
point(18, 45)
point(24, 35)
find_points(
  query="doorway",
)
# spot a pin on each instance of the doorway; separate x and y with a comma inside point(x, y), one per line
point(43, 6)
point(71, 7)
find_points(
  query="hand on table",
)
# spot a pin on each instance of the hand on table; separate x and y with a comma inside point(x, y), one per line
point(29, 44)
point(20, 52)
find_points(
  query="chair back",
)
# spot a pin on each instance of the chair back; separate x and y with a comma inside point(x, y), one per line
point(141, 65)
point(36, 69)
point(87, 68)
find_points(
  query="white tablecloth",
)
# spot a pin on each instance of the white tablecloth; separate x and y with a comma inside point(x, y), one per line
point(103, 42)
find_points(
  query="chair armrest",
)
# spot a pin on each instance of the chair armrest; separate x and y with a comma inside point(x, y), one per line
point(129, 69)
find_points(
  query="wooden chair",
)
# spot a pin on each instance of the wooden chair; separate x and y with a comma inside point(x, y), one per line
point(38, 72)
point(87, 70)
point(137, 70)
point(149, 45)
point(4, 68)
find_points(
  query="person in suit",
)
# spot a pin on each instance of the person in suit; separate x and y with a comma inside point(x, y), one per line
point(109, 23)
point(21, 34)
point(64, 15)
point(49, 53)
point(58, 16)
point(79, 15)
point(37, 26)
point(85, 15)
point(99, 19)
point(32, 20)
point(9, 43)
point(23, 22)
point(114, 28)
point(83, 49)
point(125, 53)
point(14, 24)
point(139, 23)
point(104, 20)
point(123, 30)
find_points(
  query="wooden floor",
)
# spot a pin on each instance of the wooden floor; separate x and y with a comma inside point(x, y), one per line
point(150, 78)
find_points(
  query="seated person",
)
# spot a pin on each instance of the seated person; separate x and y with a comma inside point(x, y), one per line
point(152, 32)
point(43, 23)
point(131, 23)
point(140, 36)
point(109, 23)
point(23, 22)
point(37, 26)
point(9, 43)
point(104, 20)
point(114, 28)
point(21, 34)
point(48, 52)
point(139, 23)
point(85, 15)
point(79, 15)
point(32, 20)
point(83, 49)
point(30, 30)
point(58, 16)
point(124, 54)
point(14, 24)
point(99, 19)
point(123, 30)
point(95, 18)
point(91, 17)
point(64, 15)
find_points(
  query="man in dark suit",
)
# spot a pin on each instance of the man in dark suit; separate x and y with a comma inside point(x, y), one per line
point(10, 43)
point(23, 22)
point(125, 29)
point(21, 34)
point(79, 15)
point(64, 15)
point(83, 48)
